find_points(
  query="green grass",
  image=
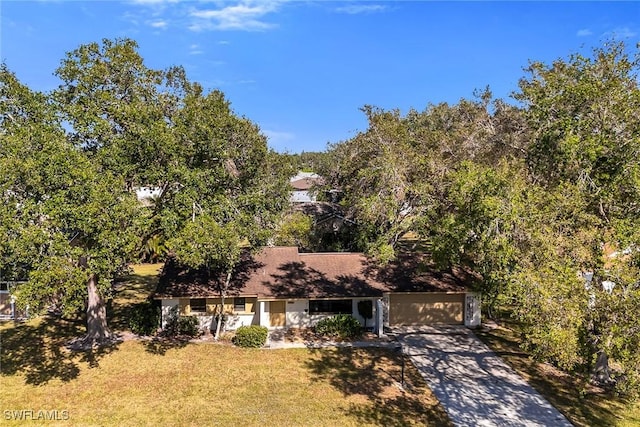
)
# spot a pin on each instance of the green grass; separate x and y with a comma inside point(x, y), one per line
point(180, 383)
point(582, 403)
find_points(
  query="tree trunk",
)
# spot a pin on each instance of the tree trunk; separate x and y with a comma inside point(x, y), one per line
point(223, 294)
point(601, 372)
point(97, 329)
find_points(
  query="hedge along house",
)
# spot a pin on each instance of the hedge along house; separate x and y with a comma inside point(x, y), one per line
point(280, 287)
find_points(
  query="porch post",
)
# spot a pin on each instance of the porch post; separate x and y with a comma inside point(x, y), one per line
point(472, 314)
point(379, 326)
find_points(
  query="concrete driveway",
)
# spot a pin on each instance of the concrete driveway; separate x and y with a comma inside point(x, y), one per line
point(473, 384)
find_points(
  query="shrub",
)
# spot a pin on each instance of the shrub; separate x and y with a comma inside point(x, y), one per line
point(181, 325)
point(342, 326)
point(250, 336)
point(188, 325)
point(144, 318)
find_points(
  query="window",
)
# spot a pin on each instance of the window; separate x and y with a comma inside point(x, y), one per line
point(4, 287)
point(238, 304)
point(337, 306)
point(198, 305)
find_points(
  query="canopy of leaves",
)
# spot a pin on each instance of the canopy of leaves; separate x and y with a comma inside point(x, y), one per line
point(529, 197)
point(69, 210)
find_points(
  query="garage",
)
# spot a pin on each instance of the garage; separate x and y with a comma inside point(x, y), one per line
point(413, 308)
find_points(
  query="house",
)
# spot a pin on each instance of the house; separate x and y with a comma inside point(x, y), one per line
point(280, 287)
point(302, 187)
point(8, 309)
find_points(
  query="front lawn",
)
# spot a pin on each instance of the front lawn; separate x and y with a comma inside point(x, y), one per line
point(144, 382)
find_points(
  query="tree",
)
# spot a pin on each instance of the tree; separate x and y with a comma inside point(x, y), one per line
point(230, 193)
point(383, 186)
point(583, 115)
point(122, 115)
point(295, 229)
point(71, 230)
point(395, 175)
point(155, 128)
point(204, 244)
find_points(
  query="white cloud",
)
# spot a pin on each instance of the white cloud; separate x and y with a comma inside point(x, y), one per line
point(278, 137)
point(622, 33)
point(153, 2)
point(584, 32)
point(245, 16)
point(159, 24)
point(355, 9)
point(194, 49)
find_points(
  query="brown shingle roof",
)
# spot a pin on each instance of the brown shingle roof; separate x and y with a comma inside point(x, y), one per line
point(282, 272)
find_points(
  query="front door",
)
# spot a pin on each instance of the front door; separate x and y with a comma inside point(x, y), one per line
point(277, 311)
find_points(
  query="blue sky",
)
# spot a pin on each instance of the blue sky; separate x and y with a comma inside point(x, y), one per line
point(302, 69)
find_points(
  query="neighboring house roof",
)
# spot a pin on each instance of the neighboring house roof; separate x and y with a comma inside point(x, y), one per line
point(305, 180)
point(283, 272)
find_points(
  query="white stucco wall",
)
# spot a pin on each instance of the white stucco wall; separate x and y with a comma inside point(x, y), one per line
point(297, 314)
point(207, 322)
point(302, 196)
point(234, 321)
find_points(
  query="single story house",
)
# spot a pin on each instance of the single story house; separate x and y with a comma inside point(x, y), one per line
point(280, 287)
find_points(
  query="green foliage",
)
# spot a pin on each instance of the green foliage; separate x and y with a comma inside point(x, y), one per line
point(252, 336)
point(71, 220)
point(309, 161)
point(188, 325)
point(177, 325)
point(153, 250)
point(528, 198)
point(394, 176)
point(145, 318)
point(204, 243)
point(295, 229)
point(340, 325)
point(69, 213)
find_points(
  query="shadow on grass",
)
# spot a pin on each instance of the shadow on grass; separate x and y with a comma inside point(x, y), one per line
point(128, 292)
point(37, 350)
point(377, 374)
point(160, 345)
point(581, 403)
